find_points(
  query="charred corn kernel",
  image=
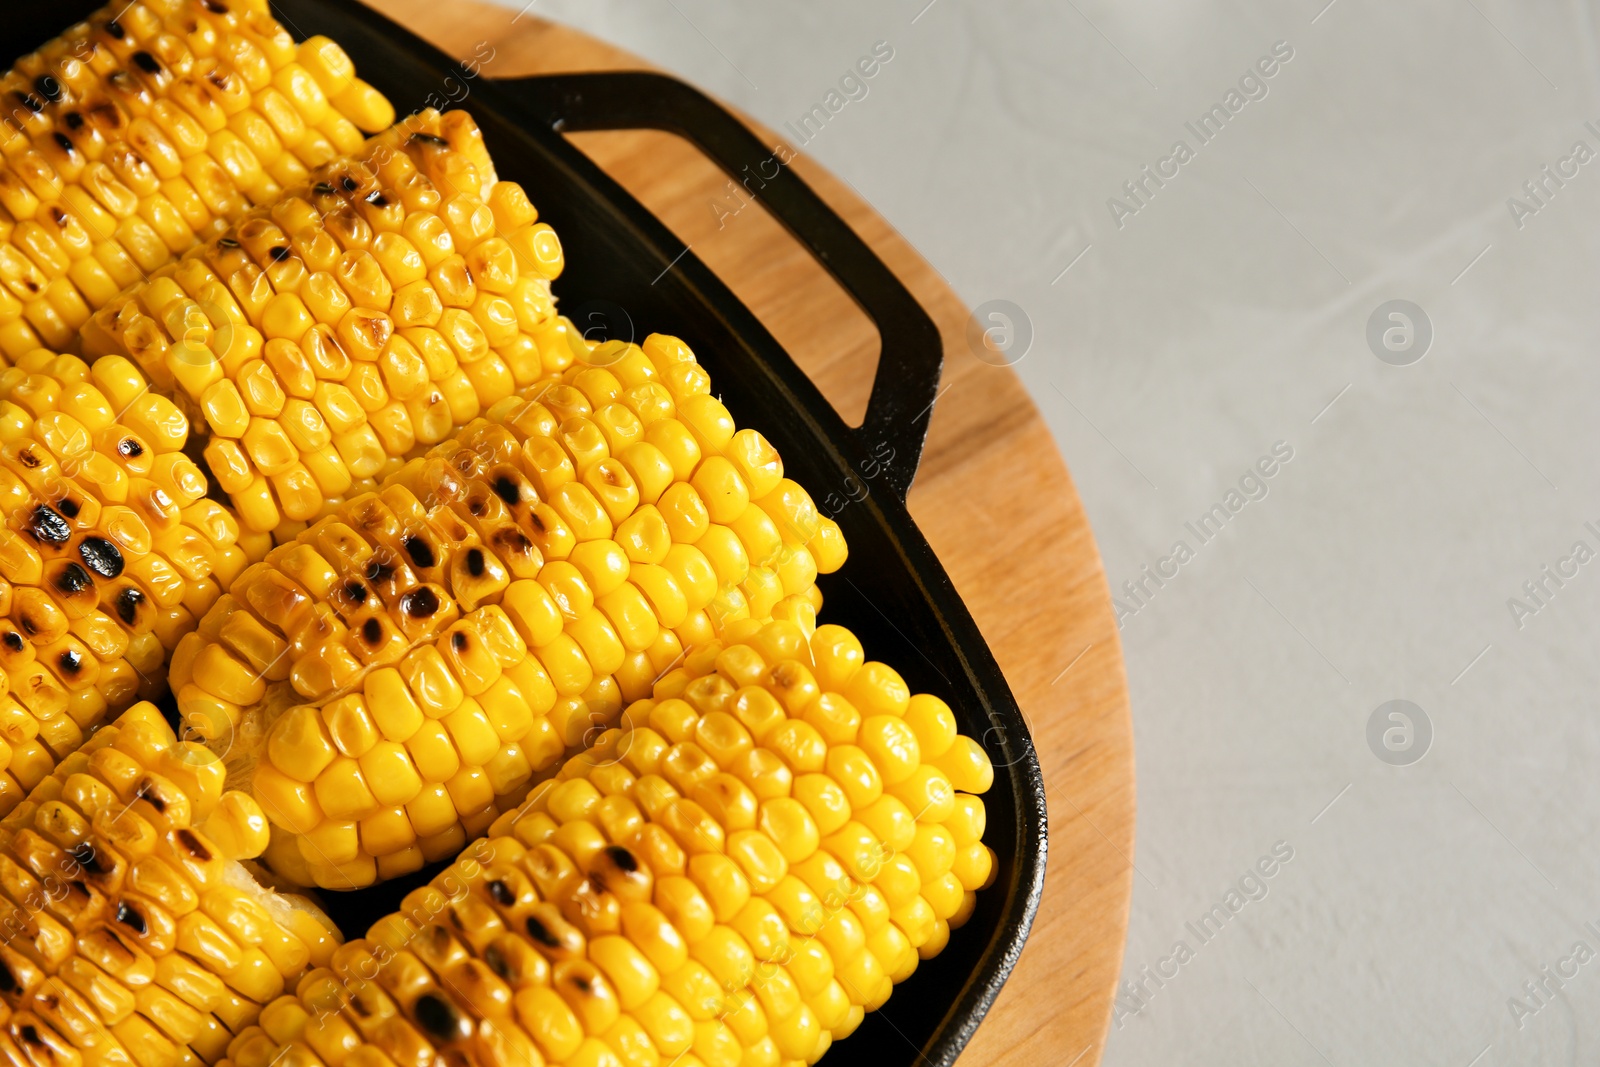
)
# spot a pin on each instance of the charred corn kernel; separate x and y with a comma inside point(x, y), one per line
point(121, 108)
point(146, 952)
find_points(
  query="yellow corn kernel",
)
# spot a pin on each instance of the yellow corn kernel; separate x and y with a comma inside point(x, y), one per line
point(966, 765)
point(238, 827)
point(891, 745)
point(287, 803)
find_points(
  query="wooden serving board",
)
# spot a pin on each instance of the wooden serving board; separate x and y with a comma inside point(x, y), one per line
point(992, 496)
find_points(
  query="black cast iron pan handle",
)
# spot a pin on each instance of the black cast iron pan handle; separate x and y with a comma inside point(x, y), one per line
point(907, 380)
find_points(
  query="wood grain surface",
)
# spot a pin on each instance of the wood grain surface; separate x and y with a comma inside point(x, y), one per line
point(992, 496)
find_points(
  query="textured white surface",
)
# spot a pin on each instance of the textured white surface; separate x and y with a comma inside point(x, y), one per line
point(1221, 318)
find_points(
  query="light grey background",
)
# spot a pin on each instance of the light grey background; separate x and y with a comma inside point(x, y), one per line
point(1229, 314)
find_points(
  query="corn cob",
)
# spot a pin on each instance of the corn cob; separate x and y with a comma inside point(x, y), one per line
point(318, 342)
point(736, 883)
point(131, 135)
point(132, 933)
point(109, 553)
point(406, 665)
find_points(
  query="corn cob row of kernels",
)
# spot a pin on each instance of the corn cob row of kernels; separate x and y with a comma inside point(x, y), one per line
point(109, 553)
point(376, 309)
point(132, 933)
point(496, 605)
point(132, 135)
point(614, 922)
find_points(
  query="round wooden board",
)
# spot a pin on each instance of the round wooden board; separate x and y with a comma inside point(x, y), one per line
point(992, 496)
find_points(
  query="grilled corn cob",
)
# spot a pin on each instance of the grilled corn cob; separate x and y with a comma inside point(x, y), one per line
point(736, 883)
point(109, 553)
point(132, 933)
point(392, 679)
point(772, 755)
point(129, 137)
point(318, 342)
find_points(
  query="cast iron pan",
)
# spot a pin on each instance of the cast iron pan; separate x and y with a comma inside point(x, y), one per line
point(627, 276)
